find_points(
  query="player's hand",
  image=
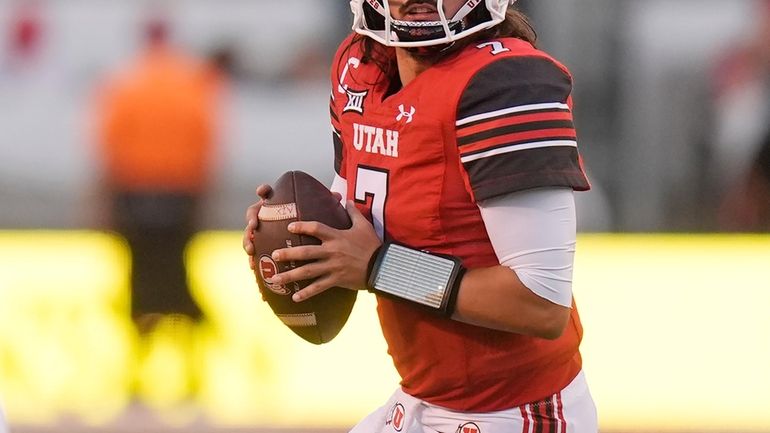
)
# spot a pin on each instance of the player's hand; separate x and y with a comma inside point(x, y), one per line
point(341, 260)
point(264, 191)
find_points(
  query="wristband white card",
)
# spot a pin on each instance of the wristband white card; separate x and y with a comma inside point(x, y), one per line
point(428, 279)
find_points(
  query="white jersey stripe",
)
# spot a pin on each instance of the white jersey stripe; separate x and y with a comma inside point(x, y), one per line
point(512, 110)
point(531, 418)
point(556, 409)
point(517, 147)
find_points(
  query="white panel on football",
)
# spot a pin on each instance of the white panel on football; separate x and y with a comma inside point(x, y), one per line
point(307, 319)
point(278, 212)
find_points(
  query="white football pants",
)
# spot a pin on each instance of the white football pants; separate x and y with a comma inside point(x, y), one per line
point(571, 410)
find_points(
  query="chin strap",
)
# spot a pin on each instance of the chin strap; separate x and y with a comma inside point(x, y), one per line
point(431, 51)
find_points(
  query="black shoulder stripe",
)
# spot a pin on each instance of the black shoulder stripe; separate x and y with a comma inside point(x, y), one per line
point(514, 82)
point(333, 110)
point(526, 169)
point(337, 141)
point(763, 159)
point(333, 114)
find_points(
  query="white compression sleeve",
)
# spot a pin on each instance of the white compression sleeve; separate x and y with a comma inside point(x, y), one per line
point(340, 185)
point(533, 232)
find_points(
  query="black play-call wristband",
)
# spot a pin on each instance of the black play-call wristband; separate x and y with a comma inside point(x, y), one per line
point(428, 279)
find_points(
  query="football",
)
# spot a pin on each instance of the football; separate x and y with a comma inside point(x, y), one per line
point(297, 196)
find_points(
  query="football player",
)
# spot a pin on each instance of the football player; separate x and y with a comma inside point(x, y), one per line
point(456, 154)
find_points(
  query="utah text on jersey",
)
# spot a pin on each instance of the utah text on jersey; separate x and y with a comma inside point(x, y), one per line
point(375, 140)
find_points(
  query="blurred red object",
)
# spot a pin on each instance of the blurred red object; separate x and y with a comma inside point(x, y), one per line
point(26, 31)
point(747, 61)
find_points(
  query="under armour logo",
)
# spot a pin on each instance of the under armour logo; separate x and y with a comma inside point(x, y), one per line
point(405, 114)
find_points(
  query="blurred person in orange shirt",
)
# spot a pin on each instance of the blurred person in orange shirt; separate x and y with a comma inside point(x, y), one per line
point(157, 134)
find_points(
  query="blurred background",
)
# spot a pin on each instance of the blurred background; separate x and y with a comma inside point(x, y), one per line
point(672, 105)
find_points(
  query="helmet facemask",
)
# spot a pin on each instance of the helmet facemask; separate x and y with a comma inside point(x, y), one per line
point(372, 18)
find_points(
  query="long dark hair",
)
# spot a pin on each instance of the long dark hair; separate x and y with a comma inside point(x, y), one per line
point(515, 25)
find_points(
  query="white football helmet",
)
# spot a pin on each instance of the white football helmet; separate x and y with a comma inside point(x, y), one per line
point(372, 18)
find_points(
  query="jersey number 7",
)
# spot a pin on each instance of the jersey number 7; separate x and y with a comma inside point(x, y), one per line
point(371, 190)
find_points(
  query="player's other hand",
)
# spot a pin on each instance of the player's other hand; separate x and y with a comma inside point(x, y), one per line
point(341, 260)
point(264, 191)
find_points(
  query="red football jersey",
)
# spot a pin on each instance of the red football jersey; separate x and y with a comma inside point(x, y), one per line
point(490, 120)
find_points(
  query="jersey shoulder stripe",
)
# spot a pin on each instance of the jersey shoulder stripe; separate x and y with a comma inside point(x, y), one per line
point(514, 100)
point(514, 83)
point(518, 146)
point(338, 152)
point(333, 111)
point(556, 164)
point(514, 127)
point(532, 109)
